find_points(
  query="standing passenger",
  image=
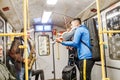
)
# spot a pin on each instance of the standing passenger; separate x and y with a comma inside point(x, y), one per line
point(81, 41)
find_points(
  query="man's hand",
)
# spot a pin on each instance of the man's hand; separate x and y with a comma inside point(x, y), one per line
point(59, 40)
point(33, 51)
point(28, 61)
point(68, 47)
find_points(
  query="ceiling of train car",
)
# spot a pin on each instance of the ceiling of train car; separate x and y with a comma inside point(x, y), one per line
point(63, 11)
point(103, 4)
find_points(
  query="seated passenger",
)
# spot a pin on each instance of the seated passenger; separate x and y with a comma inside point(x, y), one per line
point(4, 72)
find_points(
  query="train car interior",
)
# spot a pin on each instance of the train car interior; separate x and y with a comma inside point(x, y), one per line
point(59, 39)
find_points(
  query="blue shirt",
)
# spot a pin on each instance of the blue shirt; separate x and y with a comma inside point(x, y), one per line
point(83, 51)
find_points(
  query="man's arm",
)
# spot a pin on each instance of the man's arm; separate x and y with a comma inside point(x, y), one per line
point(75, 41)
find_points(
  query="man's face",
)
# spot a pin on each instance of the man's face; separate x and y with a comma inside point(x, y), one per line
point(28, 35)
point(75, 23)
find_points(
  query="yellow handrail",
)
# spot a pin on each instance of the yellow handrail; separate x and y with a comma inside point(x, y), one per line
point(22, 34)
point(101, 41)
point(25, 37)
point(11, 34)
point(58, 51)
point(28, 17)
point(111, 31)
point(84, 69)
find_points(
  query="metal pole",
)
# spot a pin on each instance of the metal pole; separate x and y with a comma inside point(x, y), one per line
point(4, 43)
point(53, 59)
point(28, 17)
point(58, 51)
point(111, 31)
point(11, 34)
point(25, 37)
point(21, 34)
point(101, 41)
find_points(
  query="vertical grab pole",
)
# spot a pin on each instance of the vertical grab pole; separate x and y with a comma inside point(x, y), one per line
point(25, 37)
point(28, 17)
point(84, 69)
point(53, 59)
point(58, 55)
point(101, 40)
point(58, 51)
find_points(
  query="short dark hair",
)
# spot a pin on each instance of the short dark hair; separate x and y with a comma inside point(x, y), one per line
point(78, 19)
point(22, 30)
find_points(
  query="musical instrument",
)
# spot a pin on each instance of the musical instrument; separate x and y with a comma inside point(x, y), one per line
point(32, 58)
point(32, 55)
point(67, 35)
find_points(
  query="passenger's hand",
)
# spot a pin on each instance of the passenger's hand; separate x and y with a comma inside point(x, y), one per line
point(33, 51)
point(68, 47)
point(59, 40)
point(28, 61)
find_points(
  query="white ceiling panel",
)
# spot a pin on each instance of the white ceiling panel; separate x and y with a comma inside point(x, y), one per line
point(67, 9)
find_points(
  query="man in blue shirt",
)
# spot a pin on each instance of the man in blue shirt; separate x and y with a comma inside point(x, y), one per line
point(81, 41)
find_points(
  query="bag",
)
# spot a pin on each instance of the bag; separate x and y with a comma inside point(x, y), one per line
point(91, 24)
point(72, 56)
point(4, 73)
point(69, 73)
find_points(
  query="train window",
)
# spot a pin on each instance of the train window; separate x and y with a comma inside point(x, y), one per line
point(113, 19)
point(96, 22)
point(1, 24)
point(114, 47)
point(113, 23)
point(47, 28)
point(43, 45)
point(38, 28)
point(43, 28)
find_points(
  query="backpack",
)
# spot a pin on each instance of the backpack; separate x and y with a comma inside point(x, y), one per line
point(69, 73)
point(91, 24)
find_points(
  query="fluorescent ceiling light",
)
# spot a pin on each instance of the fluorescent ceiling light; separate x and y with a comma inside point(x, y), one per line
point(37, 20)
point(51, 2)
point(46, 16)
